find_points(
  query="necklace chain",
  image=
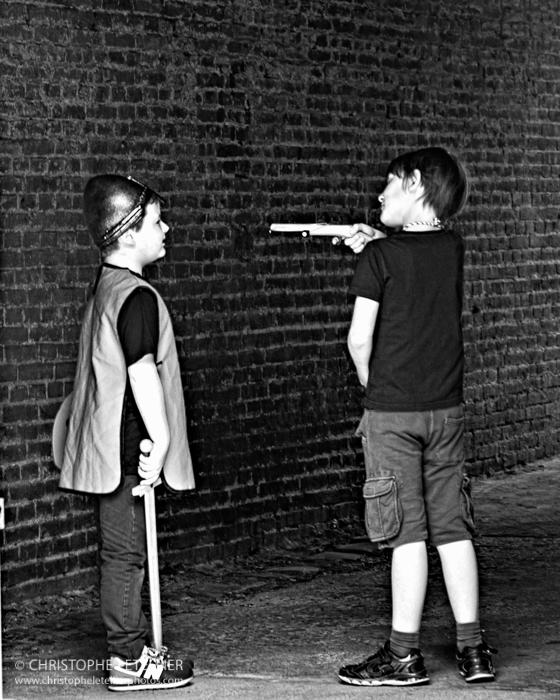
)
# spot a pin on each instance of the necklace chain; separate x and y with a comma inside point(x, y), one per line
point(434, 223)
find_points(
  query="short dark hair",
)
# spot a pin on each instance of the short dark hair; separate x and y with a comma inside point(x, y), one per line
point(444, 178)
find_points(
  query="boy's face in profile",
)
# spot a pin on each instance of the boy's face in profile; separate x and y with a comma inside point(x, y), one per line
point(397, 201)
point(150, 237)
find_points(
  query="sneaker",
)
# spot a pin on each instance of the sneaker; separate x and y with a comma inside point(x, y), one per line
point(475, 663)
point(385, 668)
point(152, 671)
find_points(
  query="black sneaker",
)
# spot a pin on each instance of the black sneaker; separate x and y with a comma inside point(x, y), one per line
point(154, 670)
point(385, 668)
point(475, 663)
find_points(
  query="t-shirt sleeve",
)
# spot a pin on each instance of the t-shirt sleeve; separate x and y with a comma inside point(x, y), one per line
point(368, 276)
point(138, 326)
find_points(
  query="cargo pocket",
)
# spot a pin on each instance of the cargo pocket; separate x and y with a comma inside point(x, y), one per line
point(383, 515)
point(467, 507)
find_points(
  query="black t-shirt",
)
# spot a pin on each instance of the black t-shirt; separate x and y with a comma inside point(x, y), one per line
point(138, 329)
point(417, 358)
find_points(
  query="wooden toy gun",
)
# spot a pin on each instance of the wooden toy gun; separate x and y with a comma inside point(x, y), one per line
point(335, 231)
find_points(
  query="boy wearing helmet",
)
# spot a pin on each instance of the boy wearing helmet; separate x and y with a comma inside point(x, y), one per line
point(127, 388)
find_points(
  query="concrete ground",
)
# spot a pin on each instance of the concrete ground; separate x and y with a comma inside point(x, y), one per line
point(280, 624)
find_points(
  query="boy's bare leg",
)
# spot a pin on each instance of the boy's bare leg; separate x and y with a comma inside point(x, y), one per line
point(409, 577)
point(399, 661)
point(460, 572)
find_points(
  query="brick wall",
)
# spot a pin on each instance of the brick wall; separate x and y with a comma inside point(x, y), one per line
point(244, 112)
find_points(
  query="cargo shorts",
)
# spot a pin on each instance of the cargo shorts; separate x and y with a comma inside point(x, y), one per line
point(416, 488)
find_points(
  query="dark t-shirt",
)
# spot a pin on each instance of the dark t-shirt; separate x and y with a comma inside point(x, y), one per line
point(138, 329)
point(417, 358)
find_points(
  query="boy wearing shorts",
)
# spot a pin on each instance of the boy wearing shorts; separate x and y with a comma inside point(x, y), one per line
point(406, 343)
point(127, 388)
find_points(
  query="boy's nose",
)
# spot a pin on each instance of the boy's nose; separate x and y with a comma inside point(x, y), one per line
point(381, 198)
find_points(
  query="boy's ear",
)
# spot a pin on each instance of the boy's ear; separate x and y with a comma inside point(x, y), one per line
point(415, 180)
point(128, 238)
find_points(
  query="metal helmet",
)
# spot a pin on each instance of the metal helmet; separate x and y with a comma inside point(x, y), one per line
point(112, 205)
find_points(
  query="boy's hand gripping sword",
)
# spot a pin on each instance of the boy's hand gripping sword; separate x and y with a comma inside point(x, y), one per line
point(60, 429)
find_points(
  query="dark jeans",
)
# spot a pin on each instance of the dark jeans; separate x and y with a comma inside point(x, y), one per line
point(123, 554)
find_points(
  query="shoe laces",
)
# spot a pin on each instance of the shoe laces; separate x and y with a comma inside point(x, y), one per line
point(482, 648)
point(160, 655)
point(380, 656)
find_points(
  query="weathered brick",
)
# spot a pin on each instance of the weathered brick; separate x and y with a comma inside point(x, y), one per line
point(242, 114)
